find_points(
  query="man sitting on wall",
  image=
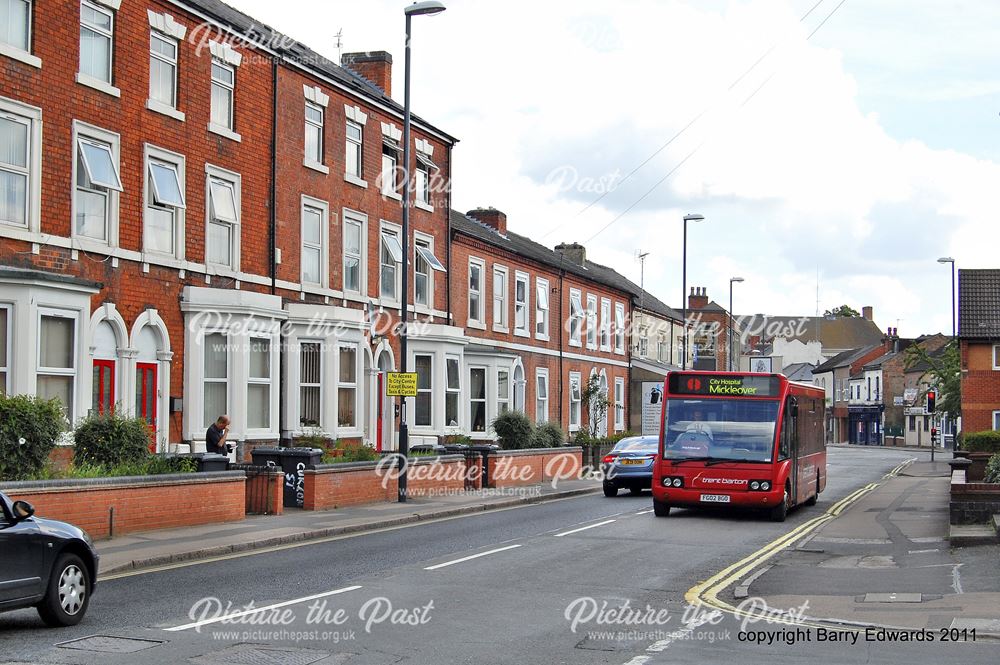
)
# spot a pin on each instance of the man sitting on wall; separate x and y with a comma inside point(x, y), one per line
point(215, 437)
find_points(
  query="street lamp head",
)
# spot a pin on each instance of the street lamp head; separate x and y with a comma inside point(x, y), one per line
point(736, 279)
point(693, 218)
point(428, 8)
point(946, 259)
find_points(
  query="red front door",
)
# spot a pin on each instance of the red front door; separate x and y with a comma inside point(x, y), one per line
point(104, 386)
point(145, 398)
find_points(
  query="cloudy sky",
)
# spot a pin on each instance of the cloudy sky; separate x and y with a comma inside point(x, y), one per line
point(852, 153)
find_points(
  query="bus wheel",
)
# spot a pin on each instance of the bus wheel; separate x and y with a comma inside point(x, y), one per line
point(661, 509)
point(811, 501)
point(780, 512)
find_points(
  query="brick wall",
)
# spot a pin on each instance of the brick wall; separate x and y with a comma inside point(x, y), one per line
point(338, 485)
point(972, 502)
point(513, 468)
point(139, 504)
point(980, 386)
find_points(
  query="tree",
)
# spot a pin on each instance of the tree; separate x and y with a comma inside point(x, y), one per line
point(842, 312)
point(597, 398)
point(943, 373)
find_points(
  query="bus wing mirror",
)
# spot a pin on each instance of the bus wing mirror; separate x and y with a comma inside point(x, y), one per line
point(793, 408)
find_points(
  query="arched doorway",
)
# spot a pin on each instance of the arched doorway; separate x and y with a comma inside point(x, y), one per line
point(385, 415)
point(518, 386)
point(602, 429)
point(151, 344)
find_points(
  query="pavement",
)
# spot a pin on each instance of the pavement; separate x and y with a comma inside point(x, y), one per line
point(163, 547)
point(887, 561)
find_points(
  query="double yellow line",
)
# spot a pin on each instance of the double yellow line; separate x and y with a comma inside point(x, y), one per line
point(707, 593)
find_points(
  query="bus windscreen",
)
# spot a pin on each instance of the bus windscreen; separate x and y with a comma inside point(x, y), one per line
point(725, 429)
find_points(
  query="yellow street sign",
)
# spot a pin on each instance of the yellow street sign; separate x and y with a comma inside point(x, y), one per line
point(401, 384)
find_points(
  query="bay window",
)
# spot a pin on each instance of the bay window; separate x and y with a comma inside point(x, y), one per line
point(56, 375)
point(453, 391)
point(4, 350)
point(423, 411)
point(259, 384)
point(477, 399)
point(310, 383)
point(503, 391)
point(347, 387)
point(216, 377)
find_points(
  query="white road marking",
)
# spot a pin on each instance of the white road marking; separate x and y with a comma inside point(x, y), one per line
point(584, 528)
point(644, 512)
point(639, 660)
point(265, 608)
point(471, 557)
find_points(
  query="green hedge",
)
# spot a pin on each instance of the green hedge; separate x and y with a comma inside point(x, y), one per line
point(547, 435)
point(514, 430)
point(29, 428)
point(993, 470)
point(110, 440)
point(981, 442)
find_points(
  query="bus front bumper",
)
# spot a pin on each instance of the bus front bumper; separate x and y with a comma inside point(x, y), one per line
point(685, 496)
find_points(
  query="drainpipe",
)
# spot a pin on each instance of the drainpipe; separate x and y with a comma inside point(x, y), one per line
point(273, 239)
point(562, 324)
point(447, 275)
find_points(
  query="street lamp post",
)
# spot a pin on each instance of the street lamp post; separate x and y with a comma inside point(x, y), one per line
point(684, 285)
point(954, 326)
point(429, 7)
point(729, 335)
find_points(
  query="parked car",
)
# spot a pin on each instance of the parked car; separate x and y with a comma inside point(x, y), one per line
point(629, 465)
point(45, 564)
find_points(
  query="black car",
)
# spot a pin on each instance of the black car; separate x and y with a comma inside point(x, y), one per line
point(45, 564)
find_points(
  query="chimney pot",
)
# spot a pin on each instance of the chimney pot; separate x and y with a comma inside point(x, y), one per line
point(699, 298)
point(868, 313)
point(574, 252)
point(490, 217)
point(376, 66)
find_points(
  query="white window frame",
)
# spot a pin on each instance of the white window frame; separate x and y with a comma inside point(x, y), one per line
point(480, 321)
point(396, 231)
point(576, 316)
point(620, 331)
point(262, 381)
point(484, 400)
point(425, 241)
point(426, 167)
point(522, 326)
point(429, 390)
point(228, 88)
point(354, 144)
point(152, 153)
point(542, 381)
point(16, 52)
point(31, 117)
point(355, 387)
point(543, 305)
point(307, 159)
point(996, 357)
point(353, 217)
point(619, 404)
point(642, 349)
point(591, 322)
point(159, 105)
point(996, 420)
point(234, 181)
point(575, 401)
point(72, 372)
point(104, 84)
point(84, 132)
point(503, 401)
point(303, 384)
point(605, 325)
point(388, 186)
point(205, 379)
point(455, 391)
point(500, 324)
point(8, 310)
point(324, 238)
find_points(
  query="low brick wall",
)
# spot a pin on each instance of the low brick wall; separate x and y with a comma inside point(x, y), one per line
point(973, 502)
point(265, 493)
point(513, 468)
point(106, 507)
point(351, 483)
point(977, 471)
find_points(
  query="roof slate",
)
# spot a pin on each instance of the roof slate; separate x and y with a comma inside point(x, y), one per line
point(979, 304)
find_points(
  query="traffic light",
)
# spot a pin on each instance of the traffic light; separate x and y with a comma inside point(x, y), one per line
point(931, 400)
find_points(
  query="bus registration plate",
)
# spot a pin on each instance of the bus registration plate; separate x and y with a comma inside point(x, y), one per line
point(715, 498)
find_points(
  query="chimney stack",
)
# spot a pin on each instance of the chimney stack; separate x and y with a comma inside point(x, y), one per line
point(376, 66)
point(698, 298)
point(574, 252)
point(491, 217)
point(867, 313)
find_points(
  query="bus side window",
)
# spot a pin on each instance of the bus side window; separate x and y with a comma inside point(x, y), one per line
point(785, 439)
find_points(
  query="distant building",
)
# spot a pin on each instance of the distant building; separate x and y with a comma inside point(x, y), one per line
point(835, 376)
point(979, 336)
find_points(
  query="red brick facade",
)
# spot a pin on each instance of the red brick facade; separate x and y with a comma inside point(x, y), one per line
point(980, 385)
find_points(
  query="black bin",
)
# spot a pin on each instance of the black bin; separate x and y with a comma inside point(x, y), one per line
point(294, 462)
point(212, 462)
point(266, 456)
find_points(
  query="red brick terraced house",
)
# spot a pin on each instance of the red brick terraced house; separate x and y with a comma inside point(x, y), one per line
point(200, 216)
point(540, 323)
point(979, 336)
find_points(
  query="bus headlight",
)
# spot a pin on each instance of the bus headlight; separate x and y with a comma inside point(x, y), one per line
point(667, 482)
point(765, 486)
point(678, 482)
point(754, 485)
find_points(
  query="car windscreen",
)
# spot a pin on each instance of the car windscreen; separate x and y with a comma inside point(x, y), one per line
point(731, 429)
point(636, 446)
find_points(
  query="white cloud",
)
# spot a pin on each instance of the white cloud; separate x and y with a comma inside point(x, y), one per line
point(799, 180)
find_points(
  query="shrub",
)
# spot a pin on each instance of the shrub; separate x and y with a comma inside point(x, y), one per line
point(110, 440)
point(153, 465)
point(36, 422)
point(456, 440)
point(342, 453)
point(548, 435)
point(983, 442)
point(313, 437)
point(993, 470)
point(513, 430)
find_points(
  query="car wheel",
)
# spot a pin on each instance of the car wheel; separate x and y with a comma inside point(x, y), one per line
point(780, 512)
point(68, 593)
point(610, 490)
point(635, 491)
point(661, 509)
